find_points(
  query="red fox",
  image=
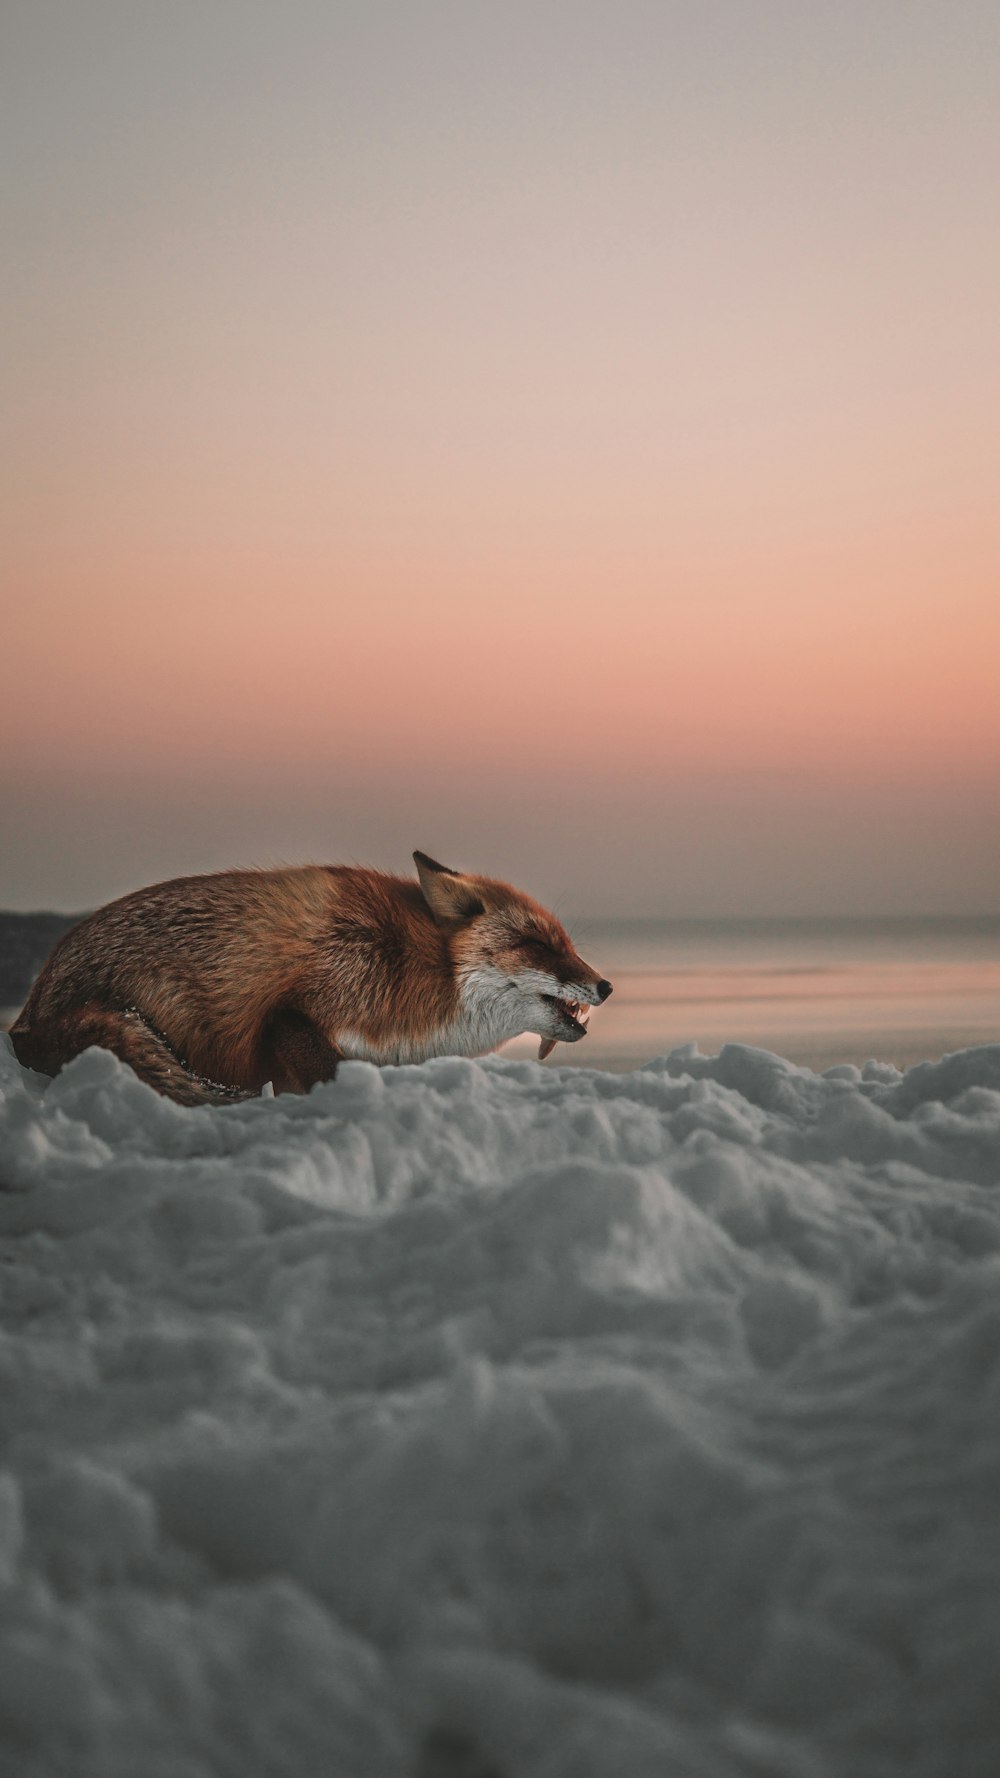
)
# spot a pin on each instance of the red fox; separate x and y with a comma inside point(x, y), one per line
point(211, 986)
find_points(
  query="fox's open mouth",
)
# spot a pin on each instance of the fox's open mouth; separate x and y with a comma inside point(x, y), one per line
point(575, 1012)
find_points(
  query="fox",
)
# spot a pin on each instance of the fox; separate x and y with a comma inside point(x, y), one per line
point(210, 987)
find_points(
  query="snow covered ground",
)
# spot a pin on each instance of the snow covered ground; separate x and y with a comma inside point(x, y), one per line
point(480, 1420)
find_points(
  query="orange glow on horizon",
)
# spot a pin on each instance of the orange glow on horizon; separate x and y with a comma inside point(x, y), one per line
point(671, 671)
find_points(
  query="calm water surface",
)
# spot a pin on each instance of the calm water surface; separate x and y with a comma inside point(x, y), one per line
point(816, 991)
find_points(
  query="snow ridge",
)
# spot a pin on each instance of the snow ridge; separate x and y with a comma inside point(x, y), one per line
point(525, 1423)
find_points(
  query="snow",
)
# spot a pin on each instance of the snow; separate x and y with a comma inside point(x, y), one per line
point(480, 1420)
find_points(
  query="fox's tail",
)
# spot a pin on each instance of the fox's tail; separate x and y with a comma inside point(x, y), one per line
point(130, 1037)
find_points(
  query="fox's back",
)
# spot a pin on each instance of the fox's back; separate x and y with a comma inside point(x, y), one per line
point(187, 931)
point(208, 959)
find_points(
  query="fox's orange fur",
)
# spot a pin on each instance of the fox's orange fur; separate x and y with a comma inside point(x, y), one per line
point(211, 986)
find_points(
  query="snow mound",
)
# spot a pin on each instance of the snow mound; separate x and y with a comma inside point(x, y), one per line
point(475, 1420)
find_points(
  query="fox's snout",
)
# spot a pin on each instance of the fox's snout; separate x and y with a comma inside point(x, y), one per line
point(594, 993)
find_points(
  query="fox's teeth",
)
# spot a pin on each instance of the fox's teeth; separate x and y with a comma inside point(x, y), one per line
point(577, 1010)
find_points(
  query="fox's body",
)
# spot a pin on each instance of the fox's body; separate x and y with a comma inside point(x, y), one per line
point(211, 986)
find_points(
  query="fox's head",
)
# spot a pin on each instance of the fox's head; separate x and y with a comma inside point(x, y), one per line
point(515, 961)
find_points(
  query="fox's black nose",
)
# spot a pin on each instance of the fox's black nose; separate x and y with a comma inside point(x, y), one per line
point(604, 989)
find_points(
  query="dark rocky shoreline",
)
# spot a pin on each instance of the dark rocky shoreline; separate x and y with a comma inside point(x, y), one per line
point(25, 942)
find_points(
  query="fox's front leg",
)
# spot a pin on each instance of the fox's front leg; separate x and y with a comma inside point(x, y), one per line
point(297, 1054)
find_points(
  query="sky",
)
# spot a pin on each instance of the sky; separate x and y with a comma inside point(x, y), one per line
point(560, 437)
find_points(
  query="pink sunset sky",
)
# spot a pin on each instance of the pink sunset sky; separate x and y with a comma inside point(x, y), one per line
point(564, 438)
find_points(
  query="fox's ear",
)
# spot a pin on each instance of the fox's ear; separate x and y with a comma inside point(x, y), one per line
point(448, 895)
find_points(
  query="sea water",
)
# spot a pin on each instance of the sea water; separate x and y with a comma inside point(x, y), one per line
point(817, 991)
